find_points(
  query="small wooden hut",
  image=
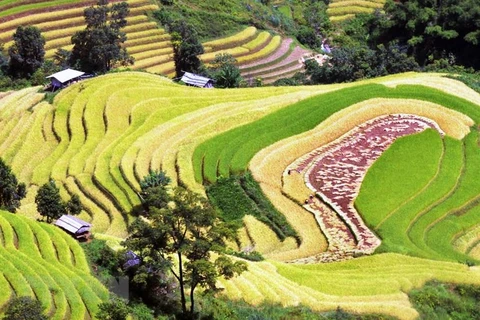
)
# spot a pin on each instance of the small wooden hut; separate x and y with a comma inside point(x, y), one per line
point(64, 78)
point(195, 80)
point(74, 226)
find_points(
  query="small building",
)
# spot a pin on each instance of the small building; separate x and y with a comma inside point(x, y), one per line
point(195, 80)
point(64, 78)
point(75, 226)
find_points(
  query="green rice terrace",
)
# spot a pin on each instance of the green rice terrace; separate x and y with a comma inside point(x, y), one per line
point(355, 194)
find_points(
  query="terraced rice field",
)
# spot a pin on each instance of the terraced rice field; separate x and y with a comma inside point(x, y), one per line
point(261, 54)
point(59, 20)
point(101, 136)
point(339, 10)
point(43, 262)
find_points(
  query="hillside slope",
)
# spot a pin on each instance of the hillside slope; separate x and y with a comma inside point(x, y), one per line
point(43, 262)
point(102, 135)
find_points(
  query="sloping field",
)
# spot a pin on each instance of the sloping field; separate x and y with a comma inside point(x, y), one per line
point(59, 20)
point(339, 10)
point(43, 262)
point(146, 42)
point(259, 54)
point(375, 284)
point(101, 136)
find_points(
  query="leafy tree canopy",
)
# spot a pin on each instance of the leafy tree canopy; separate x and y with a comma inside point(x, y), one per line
point(186, 48)
point(98, 47)
point(51, 206)
point(225, 72)
point(27, 52)
point(11, 192)
point(431, 29)
point(187, 228)
point(114, 309)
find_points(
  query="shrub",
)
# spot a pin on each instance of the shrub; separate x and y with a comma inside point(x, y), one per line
point(115, 309)
point(102, 258)
point(438, 300)
point(24, 308)
point(237, 196)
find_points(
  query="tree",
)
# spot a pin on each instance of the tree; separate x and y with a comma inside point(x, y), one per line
point(186, 48)
point(27, 52)
point(225, 72)
point(74, 206)
point(98, 48)
point(50, 204)
point(188, 228)
point(153, 192)
point(22, 308)
point(11, 192)
point(432, 29)
point(114, 309)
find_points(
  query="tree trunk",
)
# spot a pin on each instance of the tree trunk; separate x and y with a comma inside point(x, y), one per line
point(182, 289)
point(192, 301)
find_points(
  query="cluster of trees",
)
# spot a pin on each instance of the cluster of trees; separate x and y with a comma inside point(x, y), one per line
point(49, 202)
point(404, 36)
point(186, 50)
point(95, 49)
point(176, 245)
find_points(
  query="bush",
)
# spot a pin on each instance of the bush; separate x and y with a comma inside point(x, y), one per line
point(102, 258)
point(115, 309)
point(438, 300)
point(24, 308)
point(252, 256)
point(237, 196)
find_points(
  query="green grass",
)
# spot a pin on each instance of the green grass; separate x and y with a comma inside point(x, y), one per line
point(460, 211)
point(230, 152)
point(395, 231)
point(400, 173)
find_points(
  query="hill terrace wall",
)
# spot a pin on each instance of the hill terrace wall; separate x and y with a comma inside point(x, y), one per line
point(335, 173)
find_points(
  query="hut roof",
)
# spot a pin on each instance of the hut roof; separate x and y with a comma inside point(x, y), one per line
point(196, 80)
point(66, 75)
point(73, 224)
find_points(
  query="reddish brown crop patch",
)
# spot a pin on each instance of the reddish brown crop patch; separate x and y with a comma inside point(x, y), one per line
point(335, 173)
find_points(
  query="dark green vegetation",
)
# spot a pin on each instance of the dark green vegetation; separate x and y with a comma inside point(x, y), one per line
point(27, 53)
point(25, 63)
point(22, 308)
point(232, 310)
point(237, 196)
point(471, 80)
point(11, 192)
point(186, 48)
point(98, 48)
point(224, 17)
point(446, 301)
point(104, 262)
point(230, 152)
point(359, 62)
point(185, 228)
point(224, 71)
point(51, 206)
